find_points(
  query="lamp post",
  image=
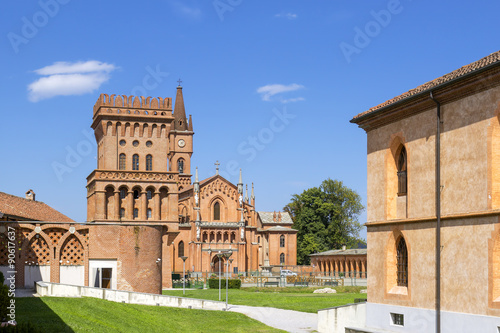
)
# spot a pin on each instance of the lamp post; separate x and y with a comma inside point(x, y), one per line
point(184, 274)
point(230, 263)
point(219, 256)
point(227, 255)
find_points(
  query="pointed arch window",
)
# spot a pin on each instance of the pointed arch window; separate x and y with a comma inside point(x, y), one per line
point(149, 163)
point(282, 241)
point(282, 259)
point(180, 165)
point(402, 263)
point(180, 249)
point(122, 165)
point(135, 162)
point(402, 176)
point(217, 211)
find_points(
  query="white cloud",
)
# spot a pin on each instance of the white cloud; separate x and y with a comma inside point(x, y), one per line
point(290, 16)
point(66, 78)
point(270, 90)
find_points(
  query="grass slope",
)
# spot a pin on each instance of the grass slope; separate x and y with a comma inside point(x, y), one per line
point(55, 314)
point(298, 299)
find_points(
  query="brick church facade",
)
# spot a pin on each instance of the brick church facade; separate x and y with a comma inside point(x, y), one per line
point(144, 211)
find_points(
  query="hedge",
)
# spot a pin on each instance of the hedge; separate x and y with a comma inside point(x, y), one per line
point(233, 283)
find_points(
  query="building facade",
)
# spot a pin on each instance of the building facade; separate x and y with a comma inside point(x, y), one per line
point(434, 205)
point(340, 263)
point(145, 216)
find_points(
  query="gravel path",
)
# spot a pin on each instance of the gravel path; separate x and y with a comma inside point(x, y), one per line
point(288, 320)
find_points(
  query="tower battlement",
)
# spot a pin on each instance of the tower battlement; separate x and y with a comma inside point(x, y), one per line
point(137, 102)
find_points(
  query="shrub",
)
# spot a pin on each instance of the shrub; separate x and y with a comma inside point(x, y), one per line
point(232, 284)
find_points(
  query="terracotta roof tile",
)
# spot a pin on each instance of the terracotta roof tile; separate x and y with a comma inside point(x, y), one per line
point(29, 209)
point(477, 65)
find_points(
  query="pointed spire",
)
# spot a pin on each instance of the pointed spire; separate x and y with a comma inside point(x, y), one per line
point(190, 127)
point(246, 192)
point(180, 112)
point(240, 185)
point(196, 185)
point(252, 198)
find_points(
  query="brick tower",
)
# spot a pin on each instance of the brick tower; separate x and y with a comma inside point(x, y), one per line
point(144, 159)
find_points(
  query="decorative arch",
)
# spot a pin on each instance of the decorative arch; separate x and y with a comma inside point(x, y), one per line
point(110, 202)
point(180, 249)
point(212, 206)
point(72, 252)
point(398, 263)
point(397, 174)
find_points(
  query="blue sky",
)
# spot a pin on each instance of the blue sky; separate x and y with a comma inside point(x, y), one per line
point(271, 85)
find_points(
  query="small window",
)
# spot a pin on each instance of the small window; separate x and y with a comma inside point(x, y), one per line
point(398, 319)
point(135, 143)
point(402, 175)
point(180, 249)
point(123, 143)
point(282, 259)
point(135, 162)
point(149, 144)
point(282, 241)
point(258, 239)
point(136, 213)
point(149, 194)
point(402, 263)
point(136, 194)
point(217, 211)
point(123, 193)
point(122, 212)
point(149, 163)
point(123, 162)
point(149, 213)
point(180, 165)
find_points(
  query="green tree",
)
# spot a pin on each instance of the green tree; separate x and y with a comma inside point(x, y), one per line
point(326, 218)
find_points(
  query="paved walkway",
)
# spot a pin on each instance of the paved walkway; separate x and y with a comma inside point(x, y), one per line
point(288, 320)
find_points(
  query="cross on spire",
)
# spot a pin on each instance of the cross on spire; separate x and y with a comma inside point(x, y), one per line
point(217, 167)
point(180, 81)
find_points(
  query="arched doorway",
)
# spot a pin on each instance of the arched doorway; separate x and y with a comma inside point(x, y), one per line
point(216, 264)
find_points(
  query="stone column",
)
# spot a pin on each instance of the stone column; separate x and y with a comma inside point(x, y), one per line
point(117, 205)
point(144, 206)
point(157, 210)
point(130, 205)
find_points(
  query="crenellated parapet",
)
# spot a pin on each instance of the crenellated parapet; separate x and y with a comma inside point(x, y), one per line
point(135, 102)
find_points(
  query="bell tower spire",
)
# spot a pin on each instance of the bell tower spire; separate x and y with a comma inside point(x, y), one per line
point(179, 111)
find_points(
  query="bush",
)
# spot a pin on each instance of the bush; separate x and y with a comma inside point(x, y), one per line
point(232, 284)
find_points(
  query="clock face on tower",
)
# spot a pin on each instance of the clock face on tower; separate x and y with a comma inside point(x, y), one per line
point(181, 143)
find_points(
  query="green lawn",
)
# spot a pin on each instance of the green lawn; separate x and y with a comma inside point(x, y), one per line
point(299, 299)
point(55, 314)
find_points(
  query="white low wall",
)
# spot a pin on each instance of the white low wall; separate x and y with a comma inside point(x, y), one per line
point(418, 320)
point(334, 320)
point(120, 296)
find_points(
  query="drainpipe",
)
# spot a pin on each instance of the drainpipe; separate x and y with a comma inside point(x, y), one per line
point(438, 216)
